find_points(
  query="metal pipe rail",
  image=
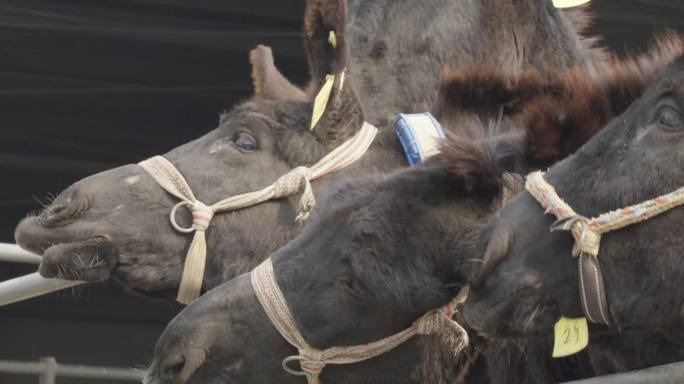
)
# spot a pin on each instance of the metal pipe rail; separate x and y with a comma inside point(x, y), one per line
point(28, 286)
point(14, 254)
point(662, 374)
point(49, 370)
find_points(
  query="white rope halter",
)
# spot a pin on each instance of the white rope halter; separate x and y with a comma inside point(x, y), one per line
point(312, 360)
point(297, 181)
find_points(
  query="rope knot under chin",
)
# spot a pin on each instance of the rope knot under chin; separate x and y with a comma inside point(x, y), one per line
point(295, 182)
point(201, 216)
point(587, 240)
point(441, 320)
point(313, 369)
point(311, 364)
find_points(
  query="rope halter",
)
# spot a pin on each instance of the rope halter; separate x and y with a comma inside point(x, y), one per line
point(312, 361)
point(295, 182)
point(587, 234)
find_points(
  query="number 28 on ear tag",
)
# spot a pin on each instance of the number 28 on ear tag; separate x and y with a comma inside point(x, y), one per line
point(569, 336)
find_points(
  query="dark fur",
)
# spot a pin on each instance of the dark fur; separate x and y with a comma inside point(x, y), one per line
point(382, 251)
point(394, 51)
point(635, 157)
point(560, 111)
point(585, 103)
point(391, 68)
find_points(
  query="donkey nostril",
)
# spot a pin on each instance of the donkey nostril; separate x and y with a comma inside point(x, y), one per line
point(172, 367)
point(179, 364)
point(63, 211)
point(57, 209)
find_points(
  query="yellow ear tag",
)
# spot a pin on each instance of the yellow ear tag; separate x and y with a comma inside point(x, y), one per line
point(323, 96)
point(332, 39)
point(322, 100)
point(569, 336)
point(341, 85)
point(568, 3)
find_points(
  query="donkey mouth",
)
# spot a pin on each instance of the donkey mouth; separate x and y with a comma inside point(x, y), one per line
point(87, 260)
point(87, 257)
point(522, 314)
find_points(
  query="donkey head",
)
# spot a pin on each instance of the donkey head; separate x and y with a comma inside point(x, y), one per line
point(530, 278)
point(381, 253)
point(115, 223)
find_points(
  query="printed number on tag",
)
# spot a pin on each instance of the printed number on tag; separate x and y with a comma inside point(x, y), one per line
point(569, 336)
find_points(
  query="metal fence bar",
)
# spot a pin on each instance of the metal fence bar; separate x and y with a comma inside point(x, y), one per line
point(49, 369)
point(28, 286)
point(49, 374)
point(31, 285)
point(662, 374)
point(14, 254)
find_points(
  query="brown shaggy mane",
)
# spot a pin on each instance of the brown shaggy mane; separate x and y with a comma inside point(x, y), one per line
point(558, 111)
point(581, 19)
point(484, 89)
point(557, 125)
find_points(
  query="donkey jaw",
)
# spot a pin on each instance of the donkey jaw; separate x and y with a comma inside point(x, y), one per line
point(86, 260)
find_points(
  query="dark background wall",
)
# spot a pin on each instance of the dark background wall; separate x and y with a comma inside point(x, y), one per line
point(87, 85)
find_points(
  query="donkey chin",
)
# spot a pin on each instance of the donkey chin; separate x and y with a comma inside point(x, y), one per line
point(522, 313)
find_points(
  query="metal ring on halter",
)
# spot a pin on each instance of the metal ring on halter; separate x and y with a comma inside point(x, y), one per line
point(291, 371)
point(173, 216)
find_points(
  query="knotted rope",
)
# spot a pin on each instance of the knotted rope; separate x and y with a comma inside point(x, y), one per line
point(587, 234)
point(297, 181)
point(312, 361)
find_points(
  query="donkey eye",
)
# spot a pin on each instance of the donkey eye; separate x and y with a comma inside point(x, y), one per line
point(669, 120)
point(245, 142)
point(354, 289)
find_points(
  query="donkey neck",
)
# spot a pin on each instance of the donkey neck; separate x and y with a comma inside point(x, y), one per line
point(399, 49)
point(395, 68)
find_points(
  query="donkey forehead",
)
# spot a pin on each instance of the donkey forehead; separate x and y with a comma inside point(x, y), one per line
point(671, 81)
point(678, 66)
point(245, 117)
point(272, 112)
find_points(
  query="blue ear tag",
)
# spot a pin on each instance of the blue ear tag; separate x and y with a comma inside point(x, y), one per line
point(419, 134)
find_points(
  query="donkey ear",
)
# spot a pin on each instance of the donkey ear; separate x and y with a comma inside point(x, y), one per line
point(497, 248)
point(269, 83)
point(337, 112)
point(325, 23)
point(343, 114)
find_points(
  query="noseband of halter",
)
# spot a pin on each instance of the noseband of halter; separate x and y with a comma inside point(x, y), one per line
point(312, 360)
point(297, 181)
point(588, 232)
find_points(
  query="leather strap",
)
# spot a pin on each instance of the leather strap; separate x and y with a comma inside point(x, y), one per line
point(592, 289)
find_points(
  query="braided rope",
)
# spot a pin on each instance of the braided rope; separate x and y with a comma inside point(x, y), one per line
point(312, 361)
point(587, 232)
point(296, 181)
